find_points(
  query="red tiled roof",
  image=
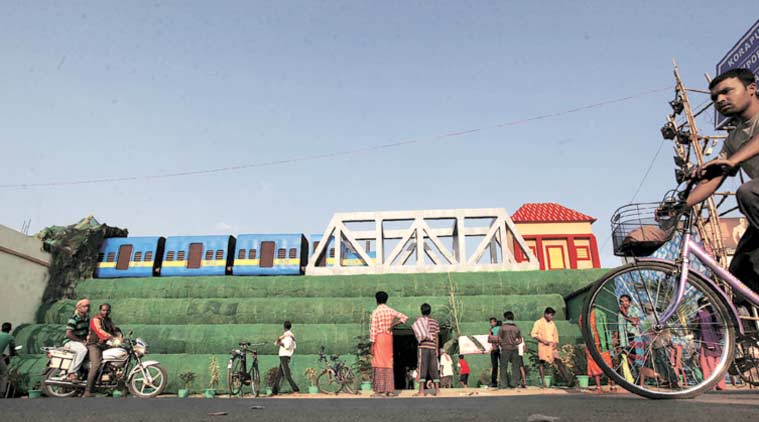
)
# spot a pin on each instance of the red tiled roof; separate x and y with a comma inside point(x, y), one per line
point(548, 212)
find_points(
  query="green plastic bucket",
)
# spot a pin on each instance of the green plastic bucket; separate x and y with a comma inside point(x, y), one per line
point(582, 381)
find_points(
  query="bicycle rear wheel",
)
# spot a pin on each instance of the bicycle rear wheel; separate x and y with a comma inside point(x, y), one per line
point(649, 359)
point(234, 376)
point(327, 383)
point(746, 362)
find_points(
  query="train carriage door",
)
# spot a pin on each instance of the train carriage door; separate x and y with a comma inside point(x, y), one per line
point(267, 255)
point(196, 254)
point(125, 255)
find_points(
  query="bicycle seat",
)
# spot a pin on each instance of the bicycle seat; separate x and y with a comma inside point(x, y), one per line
point(335, 357)
point(244, 343)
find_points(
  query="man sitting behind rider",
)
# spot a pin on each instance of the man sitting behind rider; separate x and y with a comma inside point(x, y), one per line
point(77, 329)
point(102, 330)
point(734, 94)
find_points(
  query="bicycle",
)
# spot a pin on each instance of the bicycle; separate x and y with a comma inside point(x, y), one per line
point(683, 307)
point(336, 377)
point(237, 373)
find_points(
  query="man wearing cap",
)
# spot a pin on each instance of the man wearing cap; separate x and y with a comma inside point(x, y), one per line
point(77, 328)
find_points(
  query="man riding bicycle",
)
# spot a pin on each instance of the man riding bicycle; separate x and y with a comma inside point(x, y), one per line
point(734, 94)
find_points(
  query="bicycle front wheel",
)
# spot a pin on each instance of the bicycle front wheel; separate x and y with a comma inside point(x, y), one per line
point(348, 380)
point(255, 380)
point(327, 383)
point(679, 358)
point(234, 376)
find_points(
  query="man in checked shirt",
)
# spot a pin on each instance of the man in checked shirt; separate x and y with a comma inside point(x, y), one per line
point(384, 318)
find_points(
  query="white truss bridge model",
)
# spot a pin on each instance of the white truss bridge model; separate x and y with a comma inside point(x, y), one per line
point(419, 242)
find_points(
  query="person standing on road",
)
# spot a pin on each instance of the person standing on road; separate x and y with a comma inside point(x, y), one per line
point(545, 332)
point(495, 353)
point(286, 343)
point(6, 341)
point(446, 369)
point(384, 318)
point(426, 330)
point(509, 337)
point(463, 371)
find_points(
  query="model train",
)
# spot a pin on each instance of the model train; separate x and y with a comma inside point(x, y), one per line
point(246, 254)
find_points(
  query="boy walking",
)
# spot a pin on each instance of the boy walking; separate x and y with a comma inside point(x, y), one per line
point(286, 343)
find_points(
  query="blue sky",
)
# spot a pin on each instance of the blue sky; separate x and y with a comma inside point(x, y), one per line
point(117, 89)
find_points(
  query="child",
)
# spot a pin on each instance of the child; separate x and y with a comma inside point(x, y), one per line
point(463, 371)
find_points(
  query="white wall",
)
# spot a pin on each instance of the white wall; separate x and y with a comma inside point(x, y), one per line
point(22, 278)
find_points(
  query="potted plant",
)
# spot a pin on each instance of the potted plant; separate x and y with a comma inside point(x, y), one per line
point(272, 378)
point(363, 363)
point(213, 384)
point(574, 357)
point(311, 374)
point(484, 378)
point(187, 379)
point(35, 392)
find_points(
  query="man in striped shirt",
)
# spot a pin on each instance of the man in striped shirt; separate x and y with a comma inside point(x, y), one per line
point(426, 330)
point(77, 328)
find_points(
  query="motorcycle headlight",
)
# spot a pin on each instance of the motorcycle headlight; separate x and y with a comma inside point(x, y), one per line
point(140, 347)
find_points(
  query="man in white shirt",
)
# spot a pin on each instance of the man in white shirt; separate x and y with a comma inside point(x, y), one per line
point(286, 343)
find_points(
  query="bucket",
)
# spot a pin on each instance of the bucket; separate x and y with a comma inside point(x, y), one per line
point(312, 389)
point(183, 393)
point(582, 381)
point(35, 394)
point(209, 393)
point(548, 379)
point(366, 386)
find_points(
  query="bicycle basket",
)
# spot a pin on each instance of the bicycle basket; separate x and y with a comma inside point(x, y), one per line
point(635, 230)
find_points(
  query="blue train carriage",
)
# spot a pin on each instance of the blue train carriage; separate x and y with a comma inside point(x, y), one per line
point(271, 254)
point(130, 257)
point(198, 255)
point(349, 257)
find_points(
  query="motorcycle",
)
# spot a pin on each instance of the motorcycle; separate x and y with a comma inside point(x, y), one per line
point(122, 365)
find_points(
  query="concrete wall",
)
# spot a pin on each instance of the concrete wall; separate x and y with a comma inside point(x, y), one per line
point(23, 276)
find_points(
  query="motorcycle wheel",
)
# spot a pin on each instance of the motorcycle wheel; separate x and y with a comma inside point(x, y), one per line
point(149, 383)
point(57, 390)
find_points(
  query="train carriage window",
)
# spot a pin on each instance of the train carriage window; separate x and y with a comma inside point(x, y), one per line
point(137, 256)
point(111, 256)
point(267, 255)
point(332, 252)
point(148, 256)
point(281, 253)
point(241, 254)
point(170, 256)
point(252, 254)
point(209, 255)
point(220, 254)
point(293, 253)
point(196, 253)
point(101, 257)
point(125, 255)
point(316, 245)
point(180, 256)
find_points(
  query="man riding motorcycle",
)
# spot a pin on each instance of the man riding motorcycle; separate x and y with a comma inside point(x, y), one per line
point(103, 334)
point(77, 329)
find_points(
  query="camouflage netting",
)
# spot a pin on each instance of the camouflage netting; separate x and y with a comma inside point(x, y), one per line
point(417, 285)
point(304, 310)
point(75, 250)
point(201, 339)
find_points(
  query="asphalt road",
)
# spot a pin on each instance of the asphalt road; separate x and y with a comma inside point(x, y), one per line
point(737, 406)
